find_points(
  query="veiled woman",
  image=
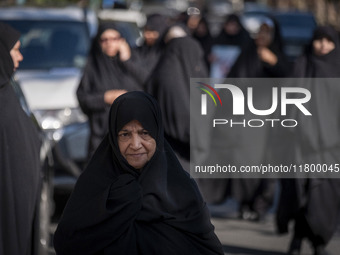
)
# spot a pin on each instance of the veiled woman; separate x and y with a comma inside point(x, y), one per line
point(134, 197)
point(105, 78)
point(19, 157)
point(183, 59)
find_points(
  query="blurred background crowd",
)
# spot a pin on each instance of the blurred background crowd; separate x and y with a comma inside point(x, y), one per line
point(78, 56)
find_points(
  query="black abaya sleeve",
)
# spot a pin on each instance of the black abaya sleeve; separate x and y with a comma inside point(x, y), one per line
point(91, 99)
point(281, 69)
point(136, 67)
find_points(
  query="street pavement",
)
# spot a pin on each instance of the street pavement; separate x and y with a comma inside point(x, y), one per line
point(240, 237)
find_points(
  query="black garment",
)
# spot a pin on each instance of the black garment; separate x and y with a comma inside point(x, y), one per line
point(144, 62)
point(248, 144)
point(116, 209)
point(241, 39)
point(206, 40)
point(19, 161)
point(326, 66)
point(170, 85)
point(249, 65)
point(316, 202)
point(8, 39)
point(148, 56)
point(101, 73)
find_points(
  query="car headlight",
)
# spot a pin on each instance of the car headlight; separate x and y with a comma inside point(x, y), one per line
point(53, 121)
point(57, 119)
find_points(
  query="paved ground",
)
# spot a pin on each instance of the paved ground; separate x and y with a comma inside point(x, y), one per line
point(257, 238)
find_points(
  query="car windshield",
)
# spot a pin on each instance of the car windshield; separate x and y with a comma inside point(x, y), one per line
point(52, 44)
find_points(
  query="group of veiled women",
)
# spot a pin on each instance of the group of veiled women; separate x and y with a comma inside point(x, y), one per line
point(312, 203)
point(135, 195)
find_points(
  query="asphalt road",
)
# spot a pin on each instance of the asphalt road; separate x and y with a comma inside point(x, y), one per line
point(241, 237)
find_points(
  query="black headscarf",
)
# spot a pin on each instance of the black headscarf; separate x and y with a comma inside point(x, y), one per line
point(101, 73)
point(108, 72)
point(170, 85)
point(206, 40)
point(326, 66)
point(19, 161)
point(8, 38)
point(242, 38)
point(147, 56)
point(156, 22)
point(116, 209)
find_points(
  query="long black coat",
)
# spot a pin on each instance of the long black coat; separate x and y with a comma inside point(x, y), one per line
point(170, 85)
point(316, 142)
point(19, 161)
point(101, 73)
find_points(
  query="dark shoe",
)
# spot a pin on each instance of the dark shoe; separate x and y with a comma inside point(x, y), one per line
point(295, 247)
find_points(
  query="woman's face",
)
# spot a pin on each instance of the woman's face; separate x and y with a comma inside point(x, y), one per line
point(110, 42)
point(150, 37)
point(16, 55)
point(232, 27)
point(323, 46)
point(264, 37)
point(136, 144)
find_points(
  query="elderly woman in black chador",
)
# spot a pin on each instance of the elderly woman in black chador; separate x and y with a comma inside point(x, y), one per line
point(134, 197)
point(19, 157)
point(105, 78)
point(314, 204)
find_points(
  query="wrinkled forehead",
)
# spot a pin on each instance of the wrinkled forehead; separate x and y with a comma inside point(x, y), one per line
point(110, 32)
point(135, 108)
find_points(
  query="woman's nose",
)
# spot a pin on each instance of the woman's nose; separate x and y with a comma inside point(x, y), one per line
point(136, 142)
point(20, 57)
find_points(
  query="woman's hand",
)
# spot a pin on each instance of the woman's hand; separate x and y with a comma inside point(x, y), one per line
point(111, 95)
point(124, 50)
point(266, 55)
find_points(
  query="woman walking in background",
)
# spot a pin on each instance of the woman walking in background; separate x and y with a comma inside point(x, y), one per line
point(105, 78)
point(314, 203)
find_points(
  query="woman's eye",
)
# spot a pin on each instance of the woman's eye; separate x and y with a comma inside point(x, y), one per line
point(124, 136)
point(145, 135)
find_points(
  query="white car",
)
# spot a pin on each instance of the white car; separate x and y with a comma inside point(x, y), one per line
point(55, 44)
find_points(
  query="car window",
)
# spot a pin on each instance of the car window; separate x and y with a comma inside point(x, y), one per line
point(52, 44)
point(296, 20)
